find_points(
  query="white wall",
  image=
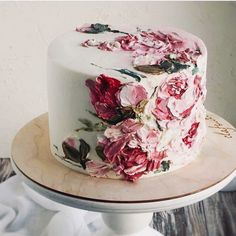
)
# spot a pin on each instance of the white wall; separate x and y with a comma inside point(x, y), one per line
point(27, 28)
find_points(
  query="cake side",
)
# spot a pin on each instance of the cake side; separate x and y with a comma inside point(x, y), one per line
point(132, 106)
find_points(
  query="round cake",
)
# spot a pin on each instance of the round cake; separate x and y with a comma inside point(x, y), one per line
point(126, 103)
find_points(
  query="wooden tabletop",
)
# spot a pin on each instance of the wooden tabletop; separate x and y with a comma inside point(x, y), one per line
point(214, 216)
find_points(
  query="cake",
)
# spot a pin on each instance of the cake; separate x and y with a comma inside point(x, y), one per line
point(126, 103)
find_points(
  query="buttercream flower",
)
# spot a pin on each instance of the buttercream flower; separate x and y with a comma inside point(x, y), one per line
point(176, 97)
point(103, 95)
point(131, 149)
point(131, 94)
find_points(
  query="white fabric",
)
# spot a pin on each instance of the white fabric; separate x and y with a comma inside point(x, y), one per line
point(22, 216)
point(24, 212)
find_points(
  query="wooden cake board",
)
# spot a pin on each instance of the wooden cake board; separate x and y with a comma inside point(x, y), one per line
point(123, 201)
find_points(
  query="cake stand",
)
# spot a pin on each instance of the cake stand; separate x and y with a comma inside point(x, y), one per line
point(126, 207)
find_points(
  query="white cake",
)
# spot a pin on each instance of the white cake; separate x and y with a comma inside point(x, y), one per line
point(126, 103)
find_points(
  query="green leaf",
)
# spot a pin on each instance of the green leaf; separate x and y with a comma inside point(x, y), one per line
point(158, 126)
point(131, 73)
point(86, 122)
point(78, 156)
point(84, 150)
point(99, 127)
point(100, 28)
point(177, 67)
point(165, 165)
point(90, 127)
point(172, 66)
point(71, 153)
point(97, 28)
point(99, 151)
point(122, 114)
point(166, 66)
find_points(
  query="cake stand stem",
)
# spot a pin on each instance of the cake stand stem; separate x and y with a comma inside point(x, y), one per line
point(127, 225)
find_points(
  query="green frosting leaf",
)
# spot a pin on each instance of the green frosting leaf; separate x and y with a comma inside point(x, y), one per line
point(100, 28)
point(131, 73)
point(172, 66)
point(122, 114)
point(78, 156)
point(158, 126)
point(90, 127)
point(99, 151)
point(84, 150)
point(166, 66)
point(165, 165)
point(97, 28)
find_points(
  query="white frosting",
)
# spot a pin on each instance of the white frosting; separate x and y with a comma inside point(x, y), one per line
point(70, 65)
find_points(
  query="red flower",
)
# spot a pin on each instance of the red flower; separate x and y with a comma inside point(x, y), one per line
point(103, 95)
point(132, 164)
point(129, 155)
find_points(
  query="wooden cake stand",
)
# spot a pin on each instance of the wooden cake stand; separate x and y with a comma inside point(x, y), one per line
point(127, 207)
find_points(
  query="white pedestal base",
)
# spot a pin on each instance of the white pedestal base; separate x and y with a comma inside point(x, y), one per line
point(127, 225)
point(148, 231)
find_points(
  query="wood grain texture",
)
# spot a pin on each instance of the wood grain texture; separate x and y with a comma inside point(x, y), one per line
point(215, 216)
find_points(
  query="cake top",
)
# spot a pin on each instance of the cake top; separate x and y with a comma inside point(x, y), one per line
point(133, 51)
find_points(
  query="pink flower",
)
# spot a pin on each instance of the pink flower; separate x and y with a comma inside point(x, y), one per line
point(131, 149)
point(132, 163)
point(131, 94)
point(103, 95)
point(73, 142)
point(176, 97)
point(191, 134)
